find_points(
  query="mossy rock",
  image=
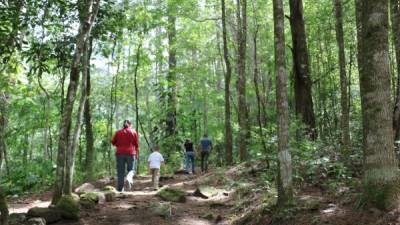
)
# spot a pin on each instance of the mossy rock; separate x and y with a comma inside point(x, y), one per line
point(312, 204)
point(162, 209)
point(110, 196)
point(109, 188)
point(85, 188)
point(207, 216)
point(89, 200)
point(172, 195)
point(69, 207)
point(90, 196)
point(16, 218)
point(36, 221)
point(51, 215)
point(205, 192)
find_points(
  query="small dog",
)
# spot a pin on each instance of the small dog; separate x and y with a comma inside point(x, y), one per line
point(129, 178)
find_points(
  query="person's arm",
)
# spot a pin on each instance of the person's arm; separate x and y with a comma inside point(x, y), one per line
point(114, 139)
point(136, 143)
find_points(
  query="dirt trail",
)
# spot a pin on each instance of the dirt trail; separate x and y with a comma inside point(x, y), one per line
point(134, 207)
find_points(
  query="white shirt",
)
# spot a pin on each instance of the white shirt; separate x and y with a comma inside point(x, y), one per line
point(155, 160)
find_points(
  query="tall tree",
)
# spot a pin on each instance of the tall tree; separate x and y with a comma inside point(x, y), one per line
point(3, 208)
point(344, 121)
point(285, 188)
point(228, 75)
point(395, 19)
point(301, 68)
point(91, 8)
point(381, 179)
point(89, 176)
point(241, 17)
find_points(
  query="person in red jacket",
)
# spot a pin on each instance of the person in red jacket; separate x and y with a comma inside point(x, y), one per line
point(126, 141)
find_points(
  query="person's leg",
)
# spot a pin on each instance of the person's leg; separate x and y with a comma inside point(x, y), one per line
point(207, 153)
point(120, 172)
point(187, 162)
point(156, 178)
point(131, 162)
point(153, 176)
point(192, 161)
point(202, 161)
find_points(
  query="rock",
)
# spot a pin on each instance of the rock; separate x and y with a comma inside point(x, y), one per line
point(205, 192)
point(109, 196)
point(84, 188)
point(36, 221)
point(172, 195)
point(50, 215)
point(162, 209)
point(69, 207)
point(16, 218)
point(90, 199)
point(164, 178)
point(181, 172)
point(109, 188)
point(312, 204)
point(207, 216)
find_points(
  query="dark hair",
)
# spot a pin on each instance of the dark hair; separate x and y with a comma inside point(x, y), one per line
point(127, 123)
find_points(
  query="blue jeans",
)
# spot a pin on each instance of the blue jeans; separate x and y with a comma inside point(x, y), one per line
point(122, 160)
point(189, 160)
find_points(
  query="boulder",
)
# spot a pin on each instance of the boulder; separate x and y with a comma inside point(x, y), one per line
point(36, 221)
point(68, 207)
point(110, 196)
point(16, 218)
point(172, 195)
point(109, 188)
point(205, 192)
point(162, 209)
point(50, 215)
point(90, 199)
point(84, 188)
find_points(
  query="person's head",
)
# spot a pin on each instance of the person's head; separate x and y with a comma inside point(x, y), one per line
point(156, 148)
point(127, 123)
point(188, 140)
point(205, 135)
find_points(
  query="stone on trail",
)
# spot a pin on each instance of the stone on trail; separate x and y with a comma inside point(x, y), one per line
point(90, 199)
point(205, 192)
point(69, 207)
point(162, 209)
point(172, 195)
point(16, 218)
point(36, 221)
point(85, 188)
point(50, 215)
point(109, 188)
point(110, 196)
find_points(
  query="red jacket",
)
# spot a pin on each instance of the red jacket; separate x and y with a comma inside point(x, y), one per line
point(127, 142)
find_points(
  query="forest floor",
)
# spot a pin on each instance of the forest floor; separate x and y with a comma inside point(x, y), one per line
point(242, 200)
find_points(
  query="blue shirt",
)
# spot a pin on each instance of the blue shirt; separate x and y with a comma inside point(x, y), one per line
point(205, 144)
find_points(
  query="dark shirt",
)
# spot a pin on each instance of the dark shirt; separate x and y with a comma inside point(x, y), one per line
point(205, 144)
point(189, 146)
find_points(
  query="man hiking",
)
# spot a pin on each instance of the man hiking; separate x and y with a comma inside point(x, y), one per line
point(205, 148)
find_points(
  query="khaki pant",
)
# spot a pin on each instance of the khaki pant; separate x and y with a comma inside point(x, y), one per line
point(155, 176)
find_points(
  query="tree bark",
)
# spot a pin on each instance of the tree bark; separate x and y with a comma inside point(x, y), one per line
point(301, 68)
point(241, 15)
point(65, 123)
point(138, 51)
point(395, 18)
point(285, 189)
point(344, 121)
point(171, 77)
point(228, 75)
point(381, 180)
point(3, 208)
point(71, 151)
point(89, 173)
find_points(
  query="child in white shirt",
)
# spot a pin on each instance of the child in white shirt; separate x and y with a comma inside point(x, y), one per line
point(155, 161)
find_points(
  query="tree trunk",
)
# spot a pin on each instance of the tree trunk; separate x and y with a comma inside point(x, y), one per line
point(3, 208)
point(381, 180)
point(71, 151)
point(344, 121)
point(136, 95)
point(171, 77)
point(241, 82)
point(285, 189)
point(228, 75)
point(89, 173)
point(301, 68)
point(395, 18)
point(64, 142)
point(3, 124)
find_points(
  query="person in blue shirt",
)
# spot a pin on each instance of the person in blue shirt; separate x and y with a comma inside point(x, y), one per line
point(205, 148)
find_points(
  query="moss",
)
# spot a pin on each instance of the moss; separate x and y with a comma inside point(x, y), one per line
point(172, 195)
point(69, 207)
point(208, 216)
point(109, 188)
point(51, 215)
point(206, 192)
point(90, 196)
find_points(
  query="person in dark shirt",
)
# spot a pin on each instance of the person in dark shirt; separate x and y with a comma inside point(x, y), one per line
point(190, 155)
point(206, 147)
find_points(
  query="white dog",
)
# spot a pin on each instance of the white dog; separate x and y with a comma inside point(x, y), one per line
point(129, 178)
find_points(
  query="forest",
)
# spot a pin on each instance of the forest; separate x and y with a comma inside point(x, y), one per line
point(295, 106)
